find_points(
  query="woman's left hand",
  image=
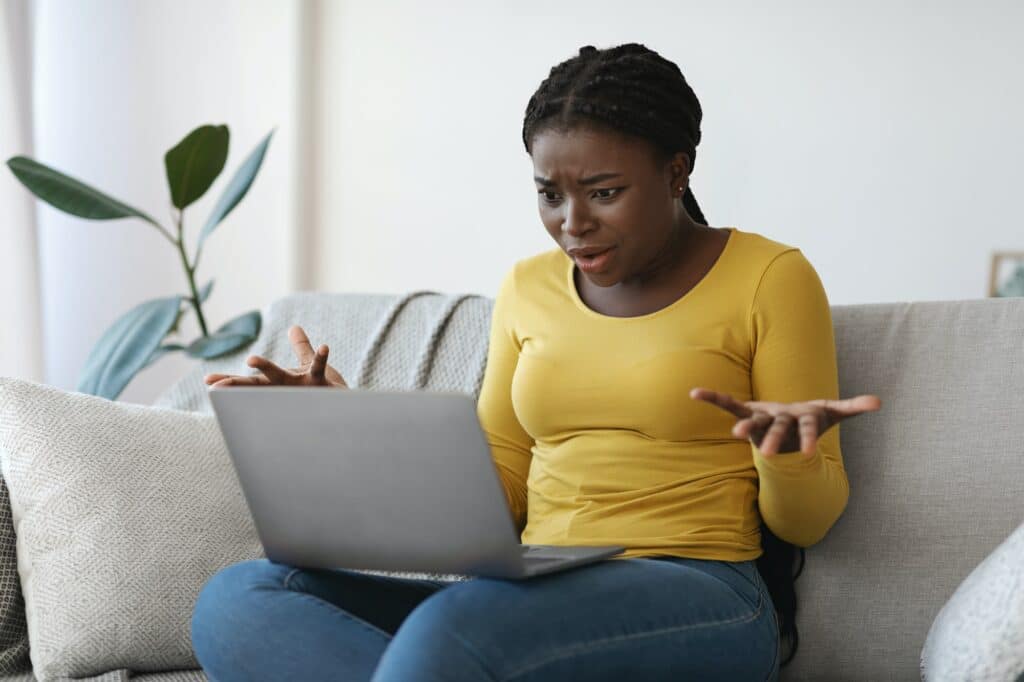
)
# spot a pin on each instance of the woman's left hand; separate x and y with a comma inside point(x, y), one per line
point(787, 427)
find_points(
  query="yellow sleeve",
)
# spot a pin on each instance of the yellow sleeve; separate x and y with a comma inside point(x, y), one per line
point(794, 360)
point(511, 445)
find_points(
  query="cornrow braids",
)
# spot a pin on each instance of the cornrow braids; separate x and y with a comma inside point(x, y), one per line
point(632, 89)
point(629, 88)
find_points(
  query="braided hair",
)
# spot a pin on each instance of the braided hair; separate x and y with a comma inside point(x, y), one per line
point(634, 90)
point(629, 88)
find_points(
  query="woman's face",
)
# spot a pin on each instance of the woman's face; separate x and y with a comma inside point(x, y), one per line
point(598, 187)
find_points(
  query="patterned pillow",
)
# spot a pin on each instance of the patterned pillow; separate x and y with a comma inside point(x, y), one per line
point(122, 512)
point(13, 630)
point(979, 633)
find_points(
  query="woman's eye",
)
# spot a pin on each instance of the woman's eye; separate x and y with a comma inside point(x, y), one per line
point(552, 198)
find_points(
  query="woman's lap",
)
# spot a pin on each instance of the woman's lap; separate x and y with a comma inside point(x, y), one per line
point(639, 618)
point(620, 619)
point(382, 601)
point(263, 620)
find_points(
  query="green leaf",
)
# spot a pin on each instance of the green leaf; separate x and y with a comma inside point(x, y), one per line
point(68, 194)
point(247, 323)
point(161, 351)
point(215, 345)
point(126, 347)
point(237, 188)
point(195, 162)
point(204, 293)
point(231, 336)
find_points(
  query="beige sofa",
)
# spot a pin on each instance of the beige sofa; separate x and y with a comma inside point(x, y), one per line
point(936, 477)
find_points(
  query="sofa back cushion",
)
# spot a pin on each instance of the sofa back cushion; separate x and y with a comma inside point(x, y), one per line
point(936, 480)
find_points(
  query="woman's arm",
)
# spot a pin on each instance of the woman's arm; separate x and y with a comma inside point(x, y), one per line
point(794, 359)
point(510, 443)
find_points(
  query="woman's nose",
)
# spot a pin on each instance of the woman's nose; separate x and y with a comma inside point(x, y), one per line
point(576, 218)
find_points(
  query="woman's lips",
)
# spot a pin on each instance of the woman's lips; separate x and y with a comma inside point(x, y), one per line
point(597, 262)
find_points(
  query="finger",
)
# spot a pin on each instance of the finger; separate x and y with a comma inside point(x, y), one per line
point(851, 407)
point(756, 423)
point(722, 400)
point(316, 370)
point(213, 378)
point(808, 433)
point(776, 434)
point(256, 380)
point(274, 373)
point(743, 427)
point(300, 344)
point(760, 422)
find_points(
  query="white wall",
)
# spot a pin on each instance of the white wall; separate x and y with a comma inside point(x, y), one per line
point(117, 83)
point(881, 138)
point(21, 352)
point(884, 139)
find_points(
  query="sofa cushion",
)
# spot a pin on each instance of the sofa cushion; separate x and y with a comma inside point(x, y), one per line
point(936, 478)
point(122, 512)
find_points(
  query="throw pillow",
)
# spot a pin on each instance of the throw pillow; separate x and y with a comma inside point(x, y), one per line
point(979, 633)
point(13, 631)
point(122, 512)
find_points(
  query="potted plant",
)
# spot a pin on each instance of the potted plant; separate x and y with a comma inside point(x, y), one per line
point(136, 339)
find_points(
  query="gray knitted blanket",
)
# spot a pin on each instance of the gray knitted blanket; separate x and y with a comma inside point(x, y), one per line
point(422, 340)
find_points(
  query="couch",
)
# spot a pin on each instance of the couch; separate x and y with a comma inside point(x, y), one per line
point(936, 477)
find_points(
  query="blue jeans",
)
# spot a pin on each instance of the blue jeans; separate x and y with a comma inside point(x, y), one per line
point(650, 619)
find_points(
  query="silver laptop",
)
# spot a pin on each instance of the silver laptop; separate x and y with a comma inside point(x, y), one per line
point(391, 481)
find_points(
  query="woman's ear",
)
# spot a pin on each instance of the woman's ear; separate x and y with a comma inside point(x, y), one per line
point(678, 173)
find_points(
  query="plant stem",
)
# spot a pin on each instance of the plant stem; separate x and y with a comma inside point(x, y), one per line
point(163, 231)
point(190, 273)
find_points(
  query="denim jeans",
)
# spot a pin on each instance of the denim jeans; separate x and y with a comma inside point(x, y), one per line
point(650, 619)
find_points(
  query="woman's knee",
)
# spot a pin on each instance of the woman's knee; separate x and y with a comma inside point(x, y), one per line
point(450, 635)
point(225, 598)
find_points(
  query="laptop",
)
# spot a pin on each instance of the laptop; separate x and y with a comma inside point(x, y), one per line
point(378, 480)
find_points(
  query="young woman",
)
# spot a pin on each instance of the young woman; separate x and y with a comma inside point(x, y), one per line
point(652, 382)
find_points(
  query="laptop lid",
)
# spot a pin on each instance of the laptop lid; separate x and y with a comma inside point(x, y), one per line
point(366, 479)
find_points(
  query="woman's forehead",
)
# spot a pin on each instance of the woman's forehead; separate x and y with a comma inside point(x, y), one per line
point(587, 150)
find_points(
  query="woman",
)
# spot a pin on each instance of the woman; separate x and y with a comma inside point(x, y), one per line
point(599, 425)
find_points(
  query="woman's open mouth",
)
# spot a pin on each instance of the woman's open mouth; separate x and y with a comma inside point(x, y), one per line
point(596, 262)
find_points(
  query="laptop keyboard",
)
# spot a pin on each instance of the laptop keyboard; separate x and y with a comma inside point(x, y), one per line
point(532, 552)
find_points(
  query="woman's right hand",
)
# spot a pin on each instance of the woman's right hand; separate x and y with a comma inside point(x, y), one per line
point(313, 369)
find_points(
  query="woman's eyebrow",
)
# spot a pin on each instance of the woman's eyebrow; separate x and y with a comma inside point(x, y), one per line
point(600, 177)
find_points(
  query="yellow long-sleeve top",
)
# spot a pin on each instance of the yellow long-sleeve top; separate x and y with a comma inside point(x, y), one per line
point(597, 441)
